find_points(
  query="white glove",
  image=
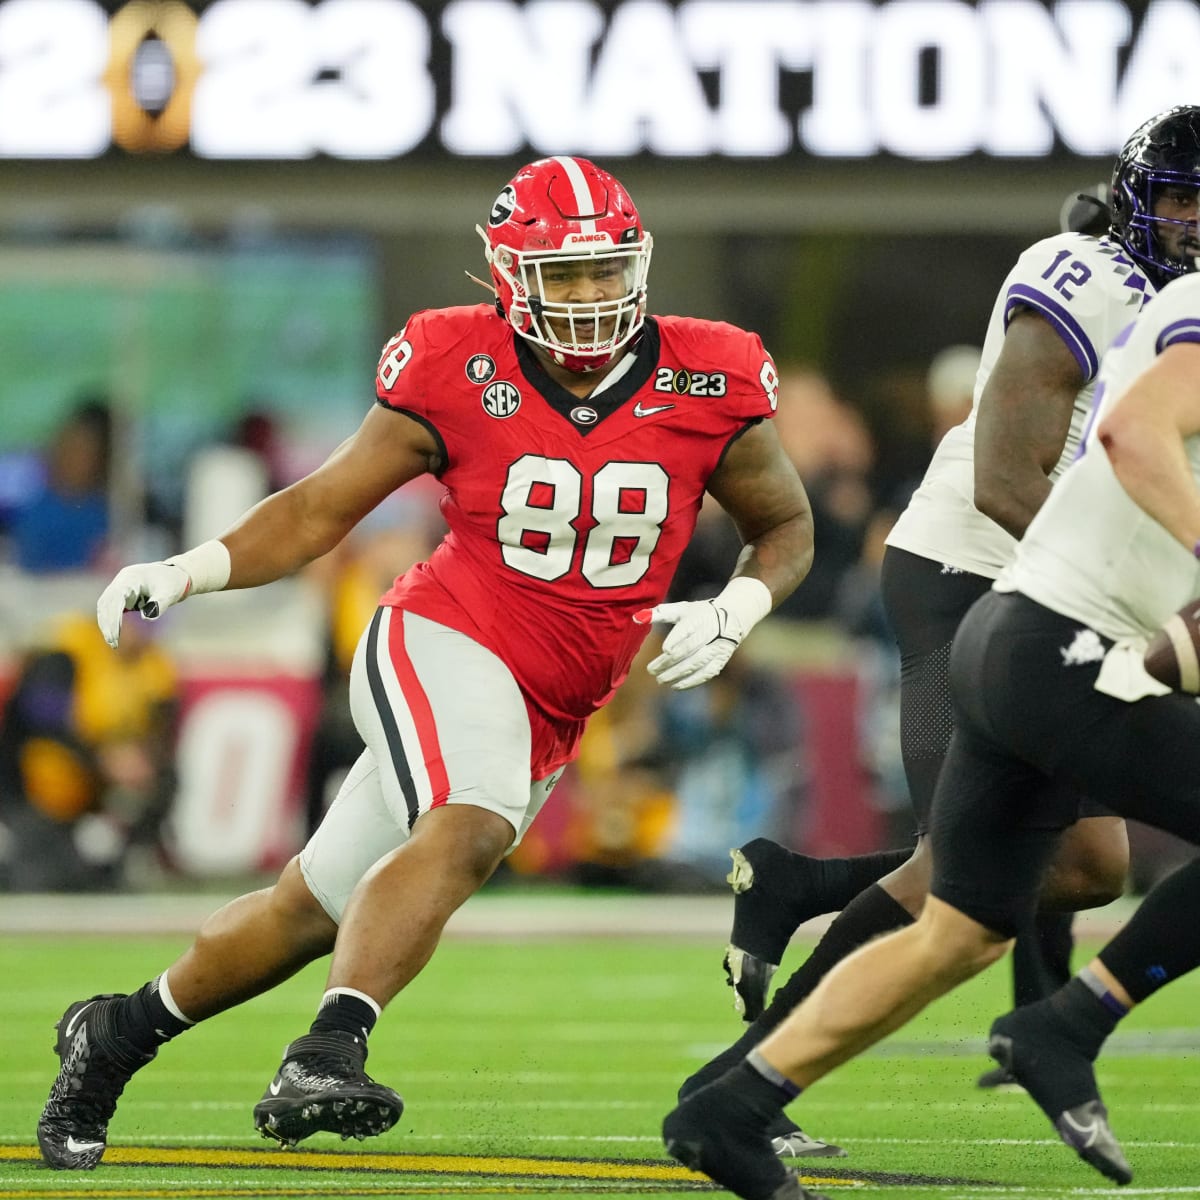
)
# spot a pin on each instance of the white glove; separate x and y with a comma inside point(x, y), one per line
point(151, 588)
point(706, 632)
point(148, 588)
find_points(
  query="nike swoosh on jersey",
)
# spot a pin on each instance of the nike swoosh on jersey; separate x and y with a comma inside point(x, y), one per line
point(639, 411)
point(79, 1147)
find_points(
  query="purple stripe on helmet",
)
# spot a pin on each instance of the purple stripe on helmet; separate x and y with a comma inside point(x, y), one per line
point(1020, 295)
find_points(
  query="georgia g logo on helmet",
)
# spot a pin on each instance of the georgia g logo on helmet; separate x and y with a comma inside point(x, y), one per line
point(504, 207)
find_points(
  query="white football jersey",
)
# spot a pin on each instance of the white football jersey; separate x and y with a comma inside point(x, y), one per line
point(1088, 289)
point(1091, 553)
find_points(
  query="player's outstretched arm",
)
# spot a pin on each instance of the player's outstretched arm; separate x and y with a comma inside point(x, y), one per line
point(1143, 436)
point(286, 530)
point(758, 486)
point(1023, 419)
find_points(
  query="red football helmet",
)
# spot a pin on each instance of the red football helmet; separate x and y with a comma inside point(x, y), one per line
point(563, 219)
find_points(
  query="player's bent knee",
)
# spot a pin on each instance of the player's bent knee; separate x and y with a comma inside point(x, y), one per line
point(1092, 888)
point(1091, 866)
point(294, 903)
point(479, 837)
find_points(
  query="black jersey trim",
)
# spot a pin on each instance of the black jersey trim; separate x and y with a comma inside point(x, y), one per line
point(443, 453)
point(749, 425)
point(646, 352)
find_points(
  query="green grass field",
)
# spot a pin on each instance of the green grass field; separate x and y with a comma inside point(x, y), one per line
point(543, 1068)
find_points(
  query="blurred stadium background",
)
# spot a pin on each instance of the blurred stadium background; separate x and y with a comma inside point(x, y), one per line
point(213, 215)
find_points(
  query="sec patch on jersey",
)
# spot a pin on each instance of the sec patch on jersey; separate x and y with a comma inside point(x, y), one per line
point(1173, 655)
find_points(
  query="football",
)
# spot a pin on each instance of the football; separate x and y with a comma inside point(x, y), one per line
point(1173, 655)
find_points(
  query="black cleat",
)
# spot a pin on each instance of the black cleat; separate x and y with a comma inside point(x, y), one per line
point(774, 892)
point(97, 1063)
point(713, 1133)
point(1060, 1077)
point(1085, 1129)
point(750, 979)
point(321, 1085)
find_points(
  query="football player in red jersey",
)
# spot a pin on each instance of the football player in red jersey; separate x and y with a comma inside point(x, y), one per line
point(576, 437)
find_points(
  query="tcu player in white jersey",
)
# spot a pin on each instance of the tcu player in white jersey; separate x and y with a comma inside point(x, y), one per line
point(1057, 312)
point(1051, 701)
point(576, 437)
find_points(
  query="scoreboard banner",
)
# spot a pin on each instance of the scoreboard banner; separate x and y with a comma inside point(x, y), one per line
point(920, 80)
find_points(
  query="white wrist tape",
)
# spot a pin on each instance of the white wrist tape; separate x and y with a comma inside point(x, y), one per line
point(746, 599)
point(207, 566)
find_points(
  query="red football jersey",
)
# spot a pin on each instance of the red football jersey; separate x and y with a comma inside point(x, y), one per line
point(565, 516)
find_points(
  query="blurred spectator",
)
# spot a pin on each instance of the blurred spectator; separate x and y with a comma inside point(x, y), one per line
point(64, 525)
point(621, 804)
point(258, 432)
point(668, 781)
point(87, 758)
point(723, 742)
point(834, 453)
point(950, 387)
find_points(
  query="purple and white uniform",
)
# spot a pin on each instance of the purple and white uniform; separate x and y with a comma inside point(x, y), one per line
point(1088, 289)
point(1128, 574)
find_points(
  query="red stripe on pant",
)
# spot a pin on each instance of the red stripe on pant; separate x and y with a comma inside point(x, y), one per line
point(419, 709)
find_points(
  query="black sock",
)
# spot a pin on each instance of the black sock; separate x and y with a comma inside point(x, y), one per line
point(843, 878)
point(791, 888)
point(1161, 941)
point(763, 1089)
point(1086, 1018)
point(346, 1011)
point(869, 914)
point(145, 1020)
point(1042, 956)
point(723, 1131)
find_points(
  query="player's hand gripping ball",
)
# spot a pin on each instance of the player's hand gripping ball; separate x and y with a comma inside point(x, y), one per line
point(1173, 655)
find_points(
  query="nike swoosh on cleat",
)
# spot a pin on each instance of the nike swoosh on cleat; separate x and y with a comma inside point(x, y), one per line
point(274, 1086)
point(81, 1147)
point(1083, 1135)
point(640, 411)
point(71, 1023)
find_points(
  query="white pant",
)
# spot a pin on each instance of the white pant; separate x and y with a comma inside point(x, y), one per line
point(444, 723)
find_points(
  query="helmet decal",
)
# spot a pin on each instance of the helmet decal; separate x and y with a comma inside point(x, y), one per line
point(503, 207)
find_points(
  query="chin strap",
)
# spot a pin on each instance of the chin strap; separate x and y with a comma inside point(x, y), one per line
point(487, 287)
